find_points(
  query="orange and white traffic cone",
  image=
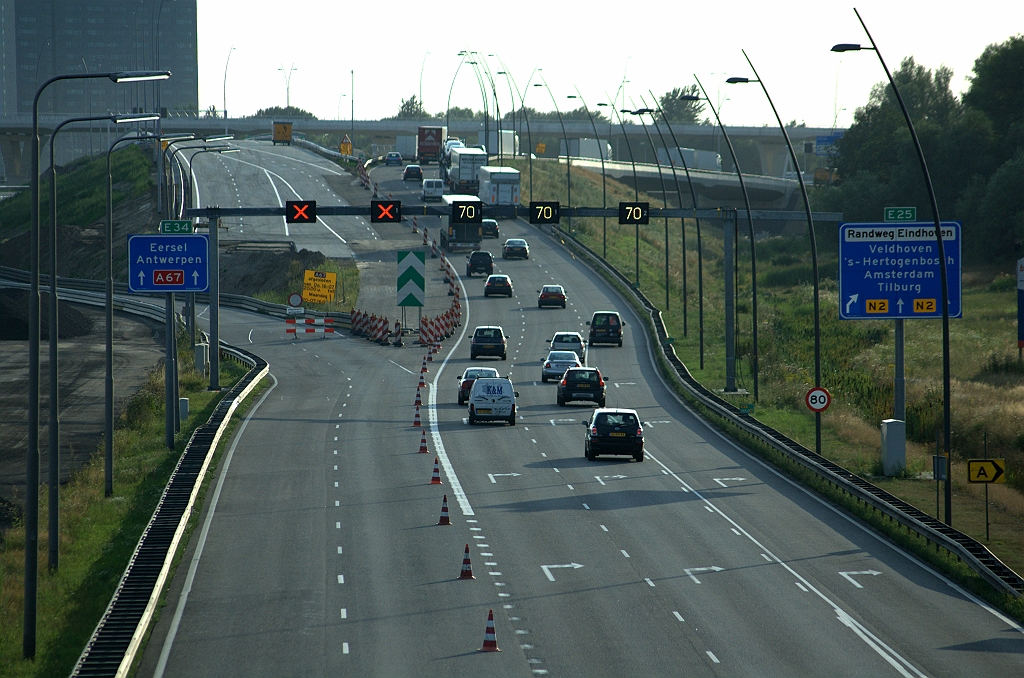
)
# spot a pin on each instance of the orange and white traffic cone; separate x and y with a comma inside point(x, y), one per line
point(415, 229)
point(419, 401)
point(436, 478)
point(467, 567)
point(423, 368)
point(422, 383)
point(423, 443)
point(430, 356)
point(490, 640)
point(444, 512)
point(416, 423)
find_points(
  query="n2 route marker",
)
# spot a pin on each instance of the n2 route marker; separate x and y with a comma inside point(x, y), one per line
point(547, 569)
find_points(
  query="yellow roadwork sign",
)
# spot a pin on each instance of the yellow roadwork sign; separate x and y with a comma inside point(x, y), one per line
point(986, 470)
point(318, 286)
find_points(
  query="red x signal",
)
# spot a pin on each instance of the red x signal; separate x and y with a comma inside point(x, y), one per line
point(300, 211)
point(385, 211)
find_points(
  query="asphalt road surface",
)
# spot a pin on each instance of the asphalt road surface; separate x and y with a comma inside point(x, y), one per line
point(320, 553)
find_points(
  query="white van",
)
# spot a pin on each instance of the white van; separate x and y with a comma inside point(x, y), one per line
point(492, 399)
point(433, 189)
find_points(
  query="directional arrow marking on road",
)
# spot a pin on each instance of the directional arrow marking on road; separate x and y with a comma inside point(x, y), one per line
point(690, 570)
point(547, 569)
point(492, 476)
point(598, 478)
point(652, 423)
point(624, 383)
point(849, 576)
point(556, 422)
point(719, 480)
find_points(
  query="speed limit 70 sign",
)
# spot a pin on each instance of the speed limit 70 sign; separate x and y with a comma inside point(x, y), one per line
point(818, 399)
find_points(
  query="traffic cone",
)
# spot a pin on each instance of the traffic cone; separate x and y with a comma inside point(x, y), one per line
point(418, 400)
point(490, 641)
point(436, 478)
point(430, 356)
point(416, 423)
point(423, 449)
point(444, 512)
point(422, 383)
point(423, 368)
point(467, 567)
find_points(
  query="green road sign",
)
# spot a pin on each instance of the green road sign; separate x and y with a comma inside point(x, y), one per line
point(174, 227)
point(411, 276)
point(900, 214)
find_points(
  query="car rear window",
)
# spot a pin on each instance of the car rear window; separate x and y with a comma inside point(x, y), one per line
point(552, 289)
point(567, 339)
point(480, 373)
point(489, 333)
point(616, 419)
point(584, 375)
point(562, 355)
point(607, 319)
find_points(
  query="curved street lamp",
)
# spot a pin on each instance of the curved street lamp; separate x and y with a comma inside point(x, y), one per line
point(32, 449)
point(636, 186)
point(750, 225)
point(604, 189)
point(810, 231)
point(946, 390)
point(568, 154)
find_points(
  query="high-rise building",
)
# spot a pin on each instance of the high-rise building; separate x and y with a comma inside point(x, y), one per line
point(43, 38)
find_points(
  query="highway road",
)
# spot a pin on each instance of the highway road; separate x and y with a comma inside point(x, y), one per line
point(319, 552)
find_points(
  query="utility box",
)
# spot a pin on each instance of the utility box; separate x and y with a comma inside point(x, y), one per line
point(894, 447)
point(202, 358)
point(182, 409)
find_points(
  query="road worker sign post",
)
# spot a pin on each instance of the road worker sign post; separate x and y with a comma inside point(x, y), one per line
point(986, 471)
point(318, 286)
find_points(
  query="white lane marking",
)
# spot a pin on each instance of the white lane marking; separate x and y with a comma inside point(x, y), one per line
point(735, 531)
point(709, 509)
point(337, 526)
point(586, 507)
point(600, 481)
point(713, 657)
point(678, 616)
point(250, 336)
point(479, 536)
point(689, 571)
point(533, 440)
point(341, 579)
point(556, 470)
point(604, 528)
point(404, 368)
point(165, 652)
point(279, 203)
point(492, 476)
point(491, 563)
point(337, 502)
point(623, 552)
point(344, 613)
point(849, 576)
point(475, 529)
point(543, 454)
point(547, 569)
point(344, 648)
point(487, 554)
point(649, 582)
point(801, 587)
point(570, 487)
point(442, 455)
point(483, 546)
point(335, 467)
point(339, 550)
point(719, 480)
point(469, 520)
point(893, 658)
point(766, 557)
point(499, 583)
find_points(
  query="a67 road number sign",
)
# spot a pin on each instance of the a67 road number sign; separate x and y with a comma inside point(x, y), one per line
point(818, 399)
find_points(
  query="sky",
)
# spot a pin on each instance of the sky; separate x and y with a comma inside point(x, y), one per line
point(396, 47)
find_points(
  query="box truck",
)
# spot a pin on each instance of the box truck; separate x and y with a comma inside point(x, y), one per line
point(282, 133)
point(430, 140)
point(406, 145)
point(695, 159)
point(462, 171)
point(499, 185)
point(457, 235)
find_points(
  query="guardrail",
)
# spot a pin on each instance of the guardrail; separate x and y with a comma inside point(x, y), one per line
point(972, 552)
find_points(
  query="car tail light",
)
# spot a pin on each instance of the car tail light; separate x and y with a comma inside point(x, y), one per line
point(547, 365)
point(639, 432)
point(593, 430)
point(471, 409)
point(466, 384)
point(563, 382)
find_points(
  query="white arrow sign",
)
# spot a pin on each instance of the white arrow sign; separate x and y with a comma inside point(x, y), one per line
point(689, 571)
point(719, 480)
point(598, 478)
point(142, 278)
point(492, 476)
point(852, 301)
point(899, 306)
point(547, 569)
point(849, 576)
point(625, 383)
point(195, 277)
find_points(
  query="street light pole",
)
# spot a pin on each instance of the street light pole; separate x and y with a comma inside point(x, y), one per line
point(422, 66)
point(568, 152)
point(943, 275)
point(226, 62)
point(750, 225)
point(604, 189)
point(639, 113)
point(636, 185)
point(287, 83)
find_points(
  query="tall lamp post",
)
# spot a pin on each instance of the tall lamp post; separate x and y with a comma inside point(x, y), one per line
point(810, 232)
point(162, 179)
point(750, 225)
point(226, 62)
point(568, 153)
point(287, 72)
point(52, 333)
point(700, 250)
point(604, 189)
point(946, 390)
point(32, 451)
point(636, 185)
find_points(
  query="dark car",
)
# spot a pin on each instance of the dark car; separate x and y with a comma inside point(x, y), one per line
point(393, 158)
point(469, 376)
point(412, 172)
point(614, 431)
point(551, 295)
point(515, 248)
point(605, 328)
point(489, 228)
point(479, 262)
point(488, 340)
point(584, 384)
point(498, 284)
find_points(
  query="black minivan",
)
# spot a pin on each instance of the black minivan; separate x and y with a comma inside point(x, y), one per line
point(479, 262)
point(605, 328)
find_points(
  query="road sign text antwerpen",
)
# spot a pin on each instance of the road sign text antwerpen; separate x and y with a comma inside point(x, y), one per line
point(889, 271)
point(168, 263)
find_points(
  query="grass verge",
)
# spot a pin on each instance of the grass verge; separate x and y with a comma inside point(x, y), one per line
point(98, 534)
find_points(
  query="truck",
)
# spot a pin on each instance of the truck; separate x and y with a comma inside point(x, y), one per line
point(695, 159)
point(462, 170)
point(499, 185)
point(509, 142)
point(430, 140)
point(282, 133)
point(586, 148)
point(406, 145)
point(461, 236)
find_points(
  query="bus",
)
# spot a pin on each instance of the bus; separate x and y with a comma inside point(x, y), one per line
point(456, 235)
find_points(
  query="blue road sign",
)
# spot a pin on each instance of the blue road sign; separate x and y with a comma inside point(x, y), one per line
point(889, 271)
point(168, 263)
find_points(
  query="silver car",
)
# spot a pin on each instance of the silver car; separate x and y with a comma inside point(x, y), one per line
point(557, 362)
point(570, 341)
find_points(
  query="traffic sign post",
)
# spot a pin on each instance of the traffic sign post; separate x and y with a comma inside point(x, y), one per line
point(818, 399)
point(168, 263)
point(986, 471)
point(176, 226)
point(385, 211)
point(300, 211)
point(318, 287)
point(544, 212)
point(411, 278)
point(889, 271)
point(899, 214)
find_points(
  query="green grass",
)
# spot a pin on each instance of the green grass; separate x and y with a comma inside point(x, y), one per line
point(346, 293)
point(98, 534)
point(81, 191)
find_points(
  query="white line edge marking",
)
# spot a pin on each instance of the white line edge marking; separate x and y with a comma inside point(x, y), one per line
point(344, 648)
point(165, 652)
point(397, 365)
point(713, 657)
point(442, 455)
point(278, 195)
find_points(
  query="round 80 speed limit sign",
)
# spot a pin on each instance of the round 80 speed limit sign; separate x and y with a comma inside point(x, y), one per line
point(818, 399)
